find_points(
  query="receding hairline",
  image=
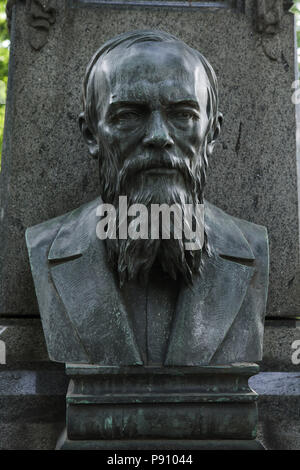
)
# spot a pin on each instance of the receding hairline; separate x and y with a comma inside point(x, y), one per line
point(190, 59)
point(109, 67)
point(131, 38)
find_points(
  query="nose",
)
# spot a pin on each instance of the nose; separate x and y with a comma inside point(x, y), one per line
point(157, 134)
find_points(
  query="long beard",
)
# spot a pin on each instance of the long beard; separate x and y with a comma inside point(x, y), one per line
point(134, 258)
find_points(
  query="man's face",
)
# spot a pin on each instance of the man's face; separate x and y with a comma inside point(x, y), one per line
point(152, 107)
point(150, 136)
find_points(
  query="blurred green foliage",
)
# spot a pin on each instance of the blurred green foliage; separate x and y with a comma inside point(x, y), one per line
point(4, 56)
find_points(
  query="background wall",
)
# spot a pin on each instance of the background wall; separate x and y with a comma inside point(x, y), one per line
point(46, 171)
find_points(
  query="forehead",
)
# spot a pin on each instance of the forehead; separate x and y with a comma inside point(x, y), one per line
point(152, 70)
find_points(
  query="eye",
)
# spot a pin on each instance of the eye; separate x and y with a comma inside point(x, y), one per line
point(126, 116)
point(183, 115)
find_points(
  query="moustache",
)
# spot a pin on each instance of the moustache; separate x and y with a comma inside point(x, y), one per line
point(149, 161)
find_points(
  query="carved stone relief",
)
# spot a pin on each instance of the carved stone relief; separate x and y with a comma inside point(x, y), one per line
point(40, 17)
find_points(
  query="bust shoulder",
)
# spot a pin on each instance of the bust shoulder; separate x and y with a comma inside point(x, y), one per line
point(256, 235)
point(228, 231)
point(219, 224)
point(41, 235)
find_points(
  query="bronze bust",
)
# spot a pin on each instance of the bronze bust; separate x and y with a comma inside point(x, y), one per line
point(150, 115)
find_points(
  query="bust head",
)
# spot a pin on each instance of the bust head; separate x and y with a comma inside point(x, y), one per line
point(151, 118)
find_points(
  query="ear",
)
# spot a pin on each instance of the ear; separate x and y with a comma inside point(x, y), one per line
point(216, 129)
point(88, 136)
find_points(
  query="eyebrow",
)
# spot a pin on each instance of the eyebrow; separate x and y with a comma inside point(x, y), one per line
point(190, 103)
point(130, 103)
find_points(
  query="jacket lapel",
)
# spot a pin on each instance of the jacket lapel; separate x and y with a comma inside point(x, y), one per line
point(205, 312)
point(89, 291)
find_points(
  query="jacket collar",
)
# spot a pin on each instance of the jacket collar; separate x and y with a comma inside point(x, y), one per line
point(79, 231)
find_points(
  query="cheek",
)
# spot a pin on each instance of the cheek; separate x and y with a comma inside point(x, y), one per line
point(126, 142)
point(190, 140)
point(105, 134)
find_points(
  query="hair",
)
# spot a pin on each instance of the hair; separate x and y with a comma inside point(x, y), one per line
point(127, 40)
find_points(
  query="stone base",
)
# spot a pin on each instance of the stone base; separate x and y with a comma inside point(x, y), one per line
point(151, 408)
point(166, 444)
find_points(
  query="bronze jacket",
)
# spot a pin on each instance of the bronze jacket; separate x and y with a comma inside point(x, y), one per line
point(218, 321)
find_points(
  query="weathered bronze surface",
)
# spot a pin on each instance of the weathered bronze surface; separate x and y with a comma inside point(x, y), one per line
point(150, 100)
point(150, 115)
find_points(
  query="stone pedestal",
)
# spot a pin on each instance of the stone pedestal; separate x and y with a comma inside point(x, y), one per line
point(160, 408)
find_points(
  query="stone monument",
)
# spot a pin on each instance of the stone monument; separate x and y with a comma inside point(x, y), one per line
point(165, 335)
point(45, 172)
